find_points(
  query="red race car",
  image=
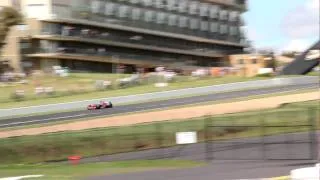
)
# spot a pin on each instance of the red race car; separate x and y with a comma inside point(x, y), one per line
point(101, 105)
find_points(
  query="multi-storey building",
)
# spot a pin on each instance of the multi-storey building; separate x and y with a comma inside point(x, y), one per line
point(98, 35)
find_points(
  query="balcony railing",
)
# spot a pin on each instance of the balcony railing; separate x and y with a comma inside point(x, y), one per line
point(118, 38)
point(138, 41)
point(108, 55)
point(242, 6)
point(119, 56)
point(152, 27)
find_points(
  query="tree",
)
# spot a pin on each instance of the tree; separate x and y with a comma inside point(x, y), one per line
point(290, 54)
point(8, 17)
point(266, 52)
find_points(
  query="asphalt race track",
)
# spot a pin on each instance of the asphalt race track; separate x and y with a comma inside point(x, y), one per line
point(63, 116)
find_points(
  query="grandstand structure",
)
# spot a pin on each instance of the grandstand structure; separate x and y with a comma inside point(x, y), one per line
point(100, 35)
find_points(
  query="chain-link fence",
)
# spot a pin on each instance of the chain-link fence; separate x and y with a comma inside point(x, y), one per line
point(281, 135)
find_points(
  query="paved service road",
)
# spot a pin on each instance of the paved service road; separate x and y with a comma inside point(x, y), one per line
point(41, 119)
point(245, 159)
point(217, 170)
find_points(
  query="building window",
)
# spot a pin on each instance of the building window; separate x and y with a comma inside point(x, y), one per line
point(134, 1)
point(183, 21)
point(148, 16)
point(161, 18)
point(172, 20)
point(214, 27)
point(214, 11)
point(233, 16)
point(25, 45)
point(223, 29)
point(233, 30)
point(95, 6)
point(50, 28)
point(223, 15)
point(48, 46)
point(61, 10)
point(172, 5)
point(193, 24)
point(136, 13)
point(193, 7)
point(147, 2)
point(204, 26)
point(183, 6)
point(110, 9)
point(243, 41)
point(204, 9)
point(123, 11)
point(159, 3)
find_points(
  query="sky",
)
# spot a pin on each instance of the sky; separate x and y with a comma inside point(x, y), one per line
point(283, 25)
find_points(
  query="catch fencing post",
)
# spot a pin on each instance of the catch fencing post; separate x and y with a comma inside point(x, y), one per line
point(207, 125)
point(159, 135)
point(234, 136)
point(159, 140)
point(313, 134)
point(263, 135)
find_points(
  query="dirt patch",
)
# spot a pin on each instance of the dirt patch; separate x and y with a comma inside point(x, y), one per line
point(172, 114)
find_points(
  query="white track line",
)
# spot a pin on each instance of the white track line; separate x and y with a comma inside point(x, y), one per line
point(40, 120)
point(21, 177)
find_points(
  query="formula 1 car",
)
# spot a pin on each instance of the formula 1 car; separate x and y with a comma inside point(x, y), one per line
point(101, 105)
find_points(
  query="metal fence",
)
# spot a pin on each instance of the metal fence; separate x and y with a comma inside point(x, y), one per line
point(286, 137)
point(289, 145)
point(276, 135)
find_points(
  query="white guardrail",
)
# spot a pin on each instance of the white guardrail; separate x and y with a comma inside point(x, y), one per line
point(160, 95)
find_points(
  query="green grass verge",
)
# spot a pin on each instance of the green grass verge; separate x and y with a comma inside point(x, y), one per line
point(57, 146)
point(66, 171)
point(81, 87)
point(314, 73)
